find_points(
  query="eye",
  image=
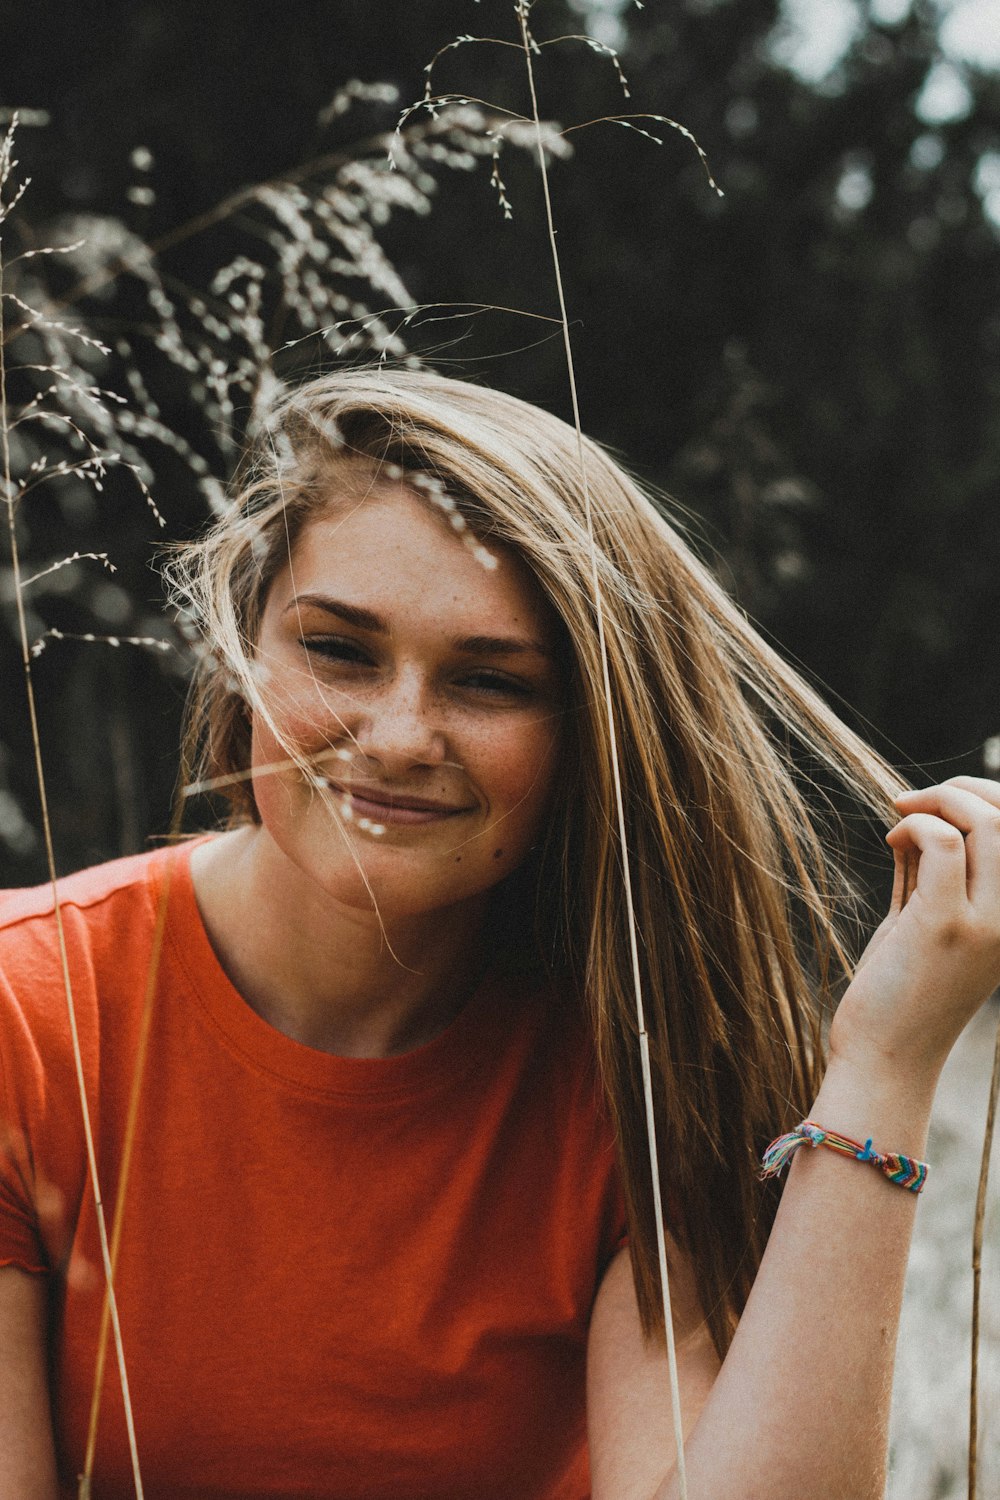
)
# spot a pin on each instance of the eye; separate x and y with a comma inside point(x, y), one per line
point(497, 685)
point(337, 648)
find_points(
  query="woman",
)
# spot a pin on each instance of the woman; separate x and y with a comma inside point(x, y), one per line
point(389, 1224)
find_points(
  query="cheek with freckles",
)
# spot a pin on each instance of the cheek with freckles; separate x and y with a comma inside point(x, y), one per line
point(297, 725)
point(509, 766)
point(515, 772)
point(300, 721)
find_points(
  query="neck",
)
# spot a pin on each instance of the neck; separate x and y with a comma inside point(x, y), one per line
point(341, 979)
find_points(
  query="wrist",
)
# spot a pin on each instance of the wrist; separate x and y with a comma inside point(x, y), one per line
point(862, 1098)
point(888, 1074)
point(915, 1050)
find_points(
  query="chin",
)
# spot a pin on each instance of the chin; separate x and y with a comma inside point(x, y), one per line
point(397, 894)
point(397, 882)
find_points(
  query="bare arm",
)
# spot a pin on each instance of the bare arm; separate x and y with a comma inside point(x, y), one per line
point(801, 1404)
point(27, 1457)
point(629, 1422)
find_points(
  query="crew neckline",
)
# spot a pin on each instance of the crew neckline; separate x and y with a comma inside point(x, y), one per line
point(469, 1039)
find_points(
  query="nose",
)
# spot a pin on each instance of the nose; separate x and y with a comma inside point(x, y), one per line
point(399, 727)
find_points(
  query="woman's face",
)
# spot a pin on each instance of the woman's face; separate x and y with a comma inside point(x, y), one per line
point(423, 689)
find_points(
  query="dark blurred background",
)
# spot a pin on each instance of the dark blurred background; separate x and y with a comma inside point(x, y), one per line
point(810, 364)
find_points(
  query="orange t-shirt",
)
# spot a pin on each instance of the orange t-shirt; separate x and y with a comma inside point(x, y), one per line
point(341, 1278)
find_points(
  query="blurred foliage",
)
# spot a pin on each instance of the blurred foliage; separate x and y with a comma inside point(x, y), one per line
point(808, 364)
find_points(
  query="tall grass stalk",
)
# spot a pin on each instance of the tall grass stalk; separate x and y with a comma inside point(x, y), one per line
point(521, 8)
point(977, 1262)
point(10, 499)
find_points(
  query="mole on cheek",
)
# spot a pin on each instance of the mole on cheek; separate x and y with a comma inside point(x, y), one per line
point(498, 854)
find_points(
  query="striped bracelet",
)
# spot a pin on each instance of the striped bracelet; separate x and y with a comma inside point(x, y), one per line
point(905, 1171)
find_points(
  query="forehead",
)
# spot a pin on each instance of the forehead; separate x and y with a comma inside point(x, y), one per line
point(390, 551)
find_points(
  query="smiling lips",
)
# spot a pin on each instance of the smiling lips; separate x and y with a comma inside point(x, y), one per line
point(382, 806)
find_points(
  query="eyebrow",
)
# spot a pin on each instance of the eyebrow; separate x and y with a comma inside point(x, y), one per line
point(471, 645)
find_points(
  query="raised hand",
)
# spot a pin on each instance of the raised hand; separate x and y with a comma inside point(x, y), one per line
point(936, 957)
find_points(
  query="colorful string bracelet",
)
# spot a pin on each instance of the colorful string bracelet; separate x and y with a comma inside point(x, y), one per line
point(904, 1171)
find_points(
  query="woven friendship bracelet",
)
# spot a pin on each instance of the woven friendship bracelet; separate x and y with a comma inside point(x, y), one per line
point(904, 1171)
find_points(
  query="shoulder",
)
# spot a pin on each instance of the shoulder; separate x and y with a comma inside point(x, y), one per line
point(85, 891)
point(95, 907)
point(84, 942)
point(99, 920)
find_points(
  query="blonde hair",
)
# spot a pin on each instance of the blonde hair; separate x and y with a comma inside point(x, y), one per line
point(741, 910)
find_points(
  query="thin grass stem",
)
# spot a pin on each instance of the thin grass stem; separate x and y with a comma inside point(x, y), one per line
point(675, 1400)
point(131, 1121)
point(977, 1260)
point(57, 908)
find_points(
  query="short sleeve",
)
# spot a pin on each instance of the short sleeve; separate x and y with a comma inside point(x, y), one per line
point(35, 1082)
point(20, 1239)
point(101, 929)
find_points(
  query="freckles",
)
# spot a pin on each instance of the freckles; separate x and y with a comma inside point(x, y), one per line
point(298, 708)
point(302, 726)
point(517, 761)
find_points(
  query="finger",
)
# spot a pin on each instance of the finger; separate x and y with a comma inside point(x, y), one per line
point(974, 816)
point(904, 877)
point(983, 786)
point(941, 876)
point(898, 898)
